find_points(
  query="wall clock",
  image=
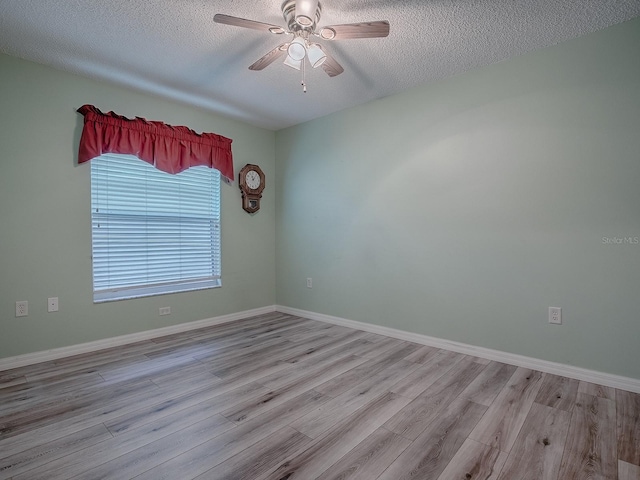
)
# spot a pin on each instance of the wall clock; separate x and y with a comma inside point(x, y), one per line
point(251, 180)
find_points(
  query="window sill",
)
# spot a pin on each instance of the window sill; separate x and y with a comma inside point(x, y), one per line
point(152, 291)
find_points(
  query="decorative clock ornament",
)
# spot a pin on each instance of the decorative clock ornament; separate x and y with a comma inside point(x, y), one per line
point(251, 180)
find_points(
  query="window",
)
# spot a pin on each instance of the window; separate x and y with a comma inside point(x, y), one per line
point(152, 232)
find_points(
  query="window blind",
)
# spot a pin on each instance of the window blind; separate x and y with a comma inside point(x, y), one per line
point(153, 232)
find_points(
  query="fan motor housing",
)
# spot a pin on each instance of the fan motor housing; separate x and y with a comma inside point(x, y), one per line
point(289, 14)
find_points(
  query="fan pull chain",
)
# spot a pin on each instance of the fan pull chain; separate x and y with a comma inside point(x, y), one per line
point(304, 83)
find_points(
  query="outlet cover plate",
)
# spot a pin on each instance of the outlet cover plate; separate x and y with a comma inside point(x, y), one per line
point(555, 315)
point(22, 308)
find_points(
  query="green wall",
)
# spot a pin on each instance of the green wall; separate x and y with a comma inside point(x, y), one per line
point(45, 234)
point(464, 209)
point(460, 210)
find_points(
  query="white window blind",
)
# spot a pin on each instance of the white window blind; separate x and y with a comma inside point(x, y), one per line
point(152, 232)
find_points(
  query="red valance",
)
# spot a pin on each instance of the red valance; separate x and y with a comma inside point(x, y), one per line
point(170, 149)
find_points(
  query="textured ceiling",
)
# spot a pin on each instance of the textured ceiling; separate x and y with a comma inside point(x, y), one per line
point(173, 47)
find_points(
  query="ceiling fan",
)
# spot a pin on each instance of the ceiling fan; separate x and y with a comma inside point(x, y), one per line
point(302, 18)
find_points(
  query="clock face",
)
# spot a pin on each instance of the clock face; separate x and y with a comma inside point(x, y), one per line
point(252, 179)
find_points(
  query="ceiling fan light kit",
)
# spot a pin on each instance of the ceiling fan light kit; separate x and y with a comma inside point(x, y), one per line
point(295, 64)
point(302, 18)
point(297, 49)
point(316, 55)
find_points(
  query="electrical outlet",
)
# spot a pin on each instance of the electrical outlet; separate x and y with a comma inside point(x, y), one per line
point(555, 315)
point(22, 308)
point(165, 310)
point(52, 304)
point(309, 283)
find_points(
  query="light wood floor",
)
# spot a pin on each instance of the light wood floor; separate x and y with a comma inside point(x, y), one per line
point(280, 397)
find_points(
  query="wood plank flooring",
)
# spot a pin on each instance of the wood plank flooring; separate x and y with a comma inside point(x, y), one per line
point(280, 397)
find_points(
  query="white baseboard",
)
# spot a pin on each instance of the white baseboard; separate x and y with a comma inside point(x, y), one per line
point(593, 376)
point(56, 353)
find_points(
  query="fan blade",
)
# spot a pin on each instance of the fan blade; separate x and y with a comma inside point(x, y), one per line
point(355, 30)
point(331, 66)
point(243, 22)
point(270, 57)
point(306, 12)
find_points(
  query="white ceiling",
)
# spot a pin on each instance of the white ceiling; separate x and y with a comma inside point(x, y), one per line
point(173, 47)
